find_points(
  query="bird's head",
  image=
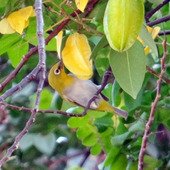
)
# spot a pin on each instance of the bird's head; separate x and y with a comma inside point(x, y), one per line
point(56, 76)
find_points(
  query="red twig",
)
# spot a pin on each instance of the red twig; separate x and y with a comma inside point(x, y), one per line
point(166, 80)
point(151, 117)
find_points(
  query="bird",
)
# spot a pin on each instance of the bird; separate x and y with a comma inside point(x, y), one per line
point(79, 92)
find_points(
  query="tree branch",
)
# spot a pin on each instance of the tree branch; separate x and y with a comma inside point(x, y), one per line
point(151, 117)
point(41, 67)
point(54, 164)
point(167, 32)
point(158, 21)
point(149, 14)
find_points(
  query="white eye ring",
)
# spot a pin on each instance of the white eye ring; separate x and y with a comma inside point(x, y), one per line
point(57, 71)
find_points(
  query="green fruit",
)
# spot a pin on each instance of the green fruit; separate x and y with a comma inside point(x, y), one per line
point(123, 20)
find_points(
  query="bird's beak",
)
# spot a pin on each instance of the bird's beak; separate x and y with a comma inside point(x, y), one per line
point(61, 65)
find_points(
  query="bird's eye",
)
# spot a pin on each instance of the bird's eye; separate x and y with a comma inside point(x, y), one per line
point(57, 71)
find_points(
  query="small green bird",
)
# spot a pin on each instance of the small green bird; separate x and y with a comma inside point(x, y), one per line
point(79, 92)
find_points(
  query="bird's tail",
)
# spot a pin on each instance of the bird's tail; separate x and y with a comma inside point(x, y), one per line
point(120, 112)
point(105, 106)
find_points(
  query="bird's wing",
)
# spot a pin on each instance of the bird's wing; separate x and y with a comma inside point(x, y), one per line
point(80, 92)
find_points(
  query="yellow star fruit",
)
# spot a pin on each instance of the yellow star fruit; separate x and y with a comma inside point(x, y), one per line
point(81, 4)
point(76, 56)
point(5, 27)
point(154, 32)
point(17, 21)
point(59, 42)
point(123, 20)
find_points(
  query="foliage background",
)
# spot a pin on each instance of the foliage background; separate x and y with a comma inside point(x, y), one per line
point(51, 137)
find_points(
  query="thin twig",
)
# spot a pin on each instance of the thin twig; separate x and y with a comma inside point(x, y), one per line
point(158, 21)
point(166, 80)
point(20, 85)
point(41, 67)
point(167, 32)
point(149, 14)
point(151, 117)
point(54, 164)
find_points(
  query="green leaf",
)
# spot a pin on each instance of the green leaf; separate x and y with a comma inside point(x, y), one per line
point(96, 113)
point(104, 121)
point(102, 62)
point(131, 103)
point(26, 142)
point(139, 125)
point(90, 140)
point(45, 143)
point(84, 131)
point(118, 140)
point(100, 12)
point(17, 51)
point(98, 47)
point(119, 163)
point(163, 117)
point(51, 46)
point(96, 149)
point(116, 94)
point(75, 122)
point(129, 68)
point(45, 101)
point(7, 41)
point(76, 168)
point(106, 138)
point(30, 35)
point(156, 1)
point(107, 132)
point(151, 163)
point(121, 129)
point(3, 3)
point(147, 38)
point(112, 155)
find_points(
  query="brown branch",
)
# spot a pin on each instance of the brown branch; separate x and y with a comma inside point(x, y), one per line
point(151, 117)
point(20, 85)
point(166, 80)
